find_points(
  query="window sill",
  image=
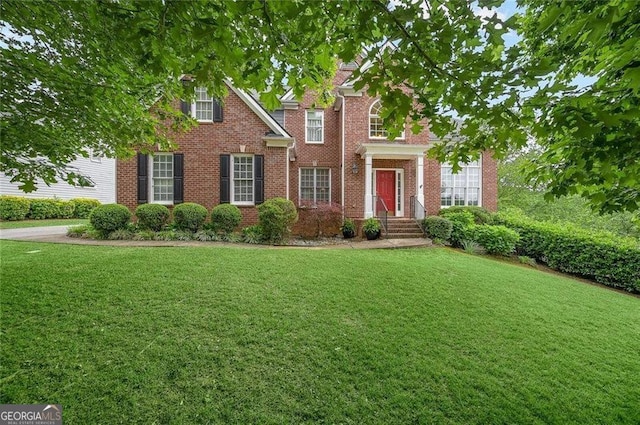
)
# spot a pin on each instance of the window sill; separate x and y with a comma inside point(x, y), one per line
point(314, 143)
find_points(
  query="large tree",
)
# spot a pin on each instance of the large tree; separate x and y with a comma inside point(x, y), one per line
point(80, 75)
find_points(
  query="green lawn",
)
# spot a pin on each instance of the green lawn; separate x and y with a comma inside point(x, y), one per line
point(41, 223)
point(274, 336)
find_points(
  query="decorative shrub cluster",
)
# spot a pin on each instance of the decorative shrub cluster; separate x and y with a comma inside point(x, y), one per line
point(189, 216)
point(497, 240)
point(606, 258)
point(109, 218)
point(13, 207)
point(276, 216)
point(438, 228)
point(152, 216)
point(320, 219)
point(20, 208)
point(460, 220)
point(474, 224)
point(225, 218)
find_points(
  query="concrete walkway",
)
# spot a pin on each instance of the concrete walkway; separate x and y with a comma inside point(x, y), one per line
point(57, 234)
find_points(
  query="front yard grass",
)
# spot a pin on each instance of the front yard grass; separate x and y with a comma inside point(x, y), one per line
point(273, 336)
point(41, 223)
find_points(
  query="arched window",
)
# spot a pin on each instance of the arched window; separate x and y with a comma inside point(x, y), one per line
point(376, 123)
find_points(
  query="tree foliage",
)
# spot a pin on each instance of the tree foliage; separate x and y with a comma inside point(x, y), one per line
point(83, 75)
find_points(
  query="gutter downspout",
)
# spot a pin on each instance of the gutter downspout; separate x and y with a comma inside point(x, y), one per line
point(342, 176)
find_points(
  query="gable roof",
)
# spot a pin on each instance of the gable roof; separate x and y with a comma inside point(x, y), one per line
point(259, 111)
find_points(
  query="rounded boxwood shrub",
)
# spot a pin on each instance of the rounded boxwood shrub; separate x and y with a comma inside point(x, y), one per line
point(152, 216)
point(495, 239)
point(109, 217)
point(83, 206)
point(189, 216)
point(276, 216)
point(437, 227)
point(225, 218)
point(14, 207)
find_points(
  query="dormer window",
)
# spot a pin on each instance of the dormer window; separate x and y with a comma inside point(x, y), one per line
point(206, 108)
point(376, 123)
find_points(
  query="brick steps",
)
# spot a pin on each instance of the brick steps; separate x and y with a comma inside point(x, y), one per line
point(403, 228)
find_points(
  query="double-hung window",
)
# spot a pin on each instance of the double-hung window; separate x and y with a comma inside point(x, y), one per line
point(462, 188)
point(242, 188)
point(314, 125)
point(203, 106)
point(162, 178)
point(315, 185)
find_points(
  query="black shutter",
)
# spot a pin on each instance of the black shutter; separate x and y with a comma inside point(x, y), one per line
point(143, 179)
point(185, 107)
point(178, 178)
point(258, 165)
point(217, 111)
point(225, 179)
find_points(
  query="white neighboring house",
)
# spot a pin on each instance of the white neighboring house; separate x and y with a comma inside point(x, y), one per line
point(100, 170)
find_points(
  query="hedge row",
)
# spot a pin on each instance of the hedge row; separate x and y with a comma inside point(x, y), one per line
point(15, 208)
point(276, 216)
point(603, 257)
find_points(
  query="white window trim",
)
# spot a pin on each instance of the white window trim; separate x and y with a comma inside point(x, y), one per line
point(151, 180)
point(94, 158)
point(377, 102)
point(466, 203)
point(193, 108)
point(232, 181)
point(314, 201)
point(399, 179)
point(306, 122)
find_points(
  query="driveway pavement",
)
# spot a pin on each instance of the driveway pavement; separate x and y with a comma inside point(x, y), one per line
point(40, 234)
point(57, 234)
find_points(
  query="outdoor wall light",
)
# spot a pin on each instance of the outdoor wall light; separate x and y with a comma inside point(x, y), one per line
point(354, 168)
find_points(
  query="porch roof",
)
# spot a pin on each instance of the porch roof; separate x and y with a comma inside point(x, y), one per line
point(391, 150)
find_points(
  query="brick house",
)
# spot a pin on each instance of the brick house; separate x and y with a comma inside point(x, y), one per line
point(243, 154)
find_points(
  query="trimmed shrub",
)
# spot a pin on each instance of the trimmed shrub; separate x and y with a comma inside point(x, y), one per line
point(437, 227)
point(480, 215)
point(603, 257)
point(83, 206)
point(109, 217)
point(276, 216)
point(498, 240)
point(42, 209)
point(461, 221)
point(225, 218)
point(66, 208)
point(189, 216)
point(14, 207)
point(152, 216)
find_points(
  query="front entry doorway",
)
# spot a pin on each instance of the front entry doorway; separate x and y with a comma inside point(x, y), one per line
point(386, 191)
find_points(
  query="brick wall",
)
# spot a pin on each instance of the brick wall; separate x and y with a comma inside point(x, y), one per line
point(202, 147)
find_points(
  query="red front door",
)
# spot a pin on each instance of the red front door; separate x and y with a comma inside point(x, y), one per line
point(386, 190)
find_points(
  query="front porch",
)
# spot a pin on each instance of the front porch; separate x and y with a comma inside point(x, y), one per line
point(394, 174)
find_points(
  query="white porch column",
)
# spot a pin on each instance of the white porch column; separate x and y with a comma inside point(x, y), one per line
point(368, 177)
point(420, 180)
